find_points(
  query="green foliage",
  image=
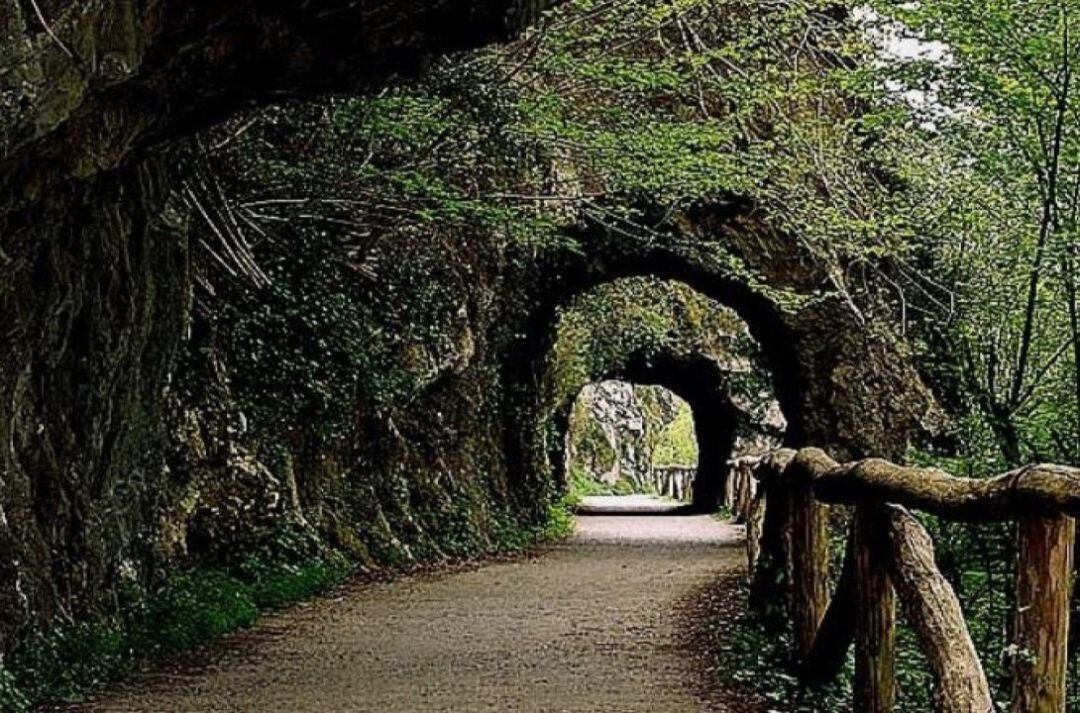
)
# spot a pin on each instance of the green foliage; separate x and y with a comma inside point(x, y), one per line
point(992, 212)
point(748, 655)
point(560, 521)
point(194, 608)
point(582, 484)
point(677, 443)
point(556, 524)
point(62, 663)
point(11, 698)
point(691, 102)
point(188, 610)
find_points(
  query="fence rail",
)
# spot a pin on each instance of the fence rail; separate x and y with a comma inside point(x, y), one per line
point(889, 561)
point(674, 481)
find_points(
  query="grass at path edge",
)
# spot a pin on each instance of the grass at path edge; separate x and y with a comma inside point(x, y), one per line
point(191, 609)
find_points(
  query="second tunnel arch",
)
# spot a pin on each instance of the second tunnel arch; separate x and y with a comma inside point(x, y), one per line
point(652, 332)
point(841, 382)
point(718, 420)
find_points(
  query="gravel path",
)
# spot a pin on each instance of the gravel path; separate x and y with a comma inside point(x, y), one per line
point(592, 624)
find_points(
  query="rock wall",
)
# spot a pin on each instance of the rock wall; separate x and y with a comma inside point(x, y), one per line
point(96, 289)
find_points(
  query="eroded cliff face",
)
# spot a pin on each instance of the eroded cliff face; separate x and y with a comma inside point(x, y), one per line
point(620, 434)
point(94, 300)
point(607, 434)
point(96, 266)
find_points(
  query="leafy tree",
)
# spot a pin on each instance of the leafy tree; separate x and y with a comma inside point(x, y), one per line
point(992, 94)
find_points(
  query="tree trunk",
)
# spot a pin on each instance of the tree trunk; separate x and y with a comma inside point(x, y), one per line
point(755, 519)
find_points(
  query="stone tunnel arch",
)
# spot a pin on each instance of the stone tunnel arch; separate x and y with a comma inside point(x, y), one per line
point(841, 383)
point(702, 384)
point(698, 370)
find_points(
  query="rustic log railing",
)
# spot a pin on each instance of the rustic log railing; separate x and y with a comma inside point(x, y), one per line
point(674, 481)
point(889, 561)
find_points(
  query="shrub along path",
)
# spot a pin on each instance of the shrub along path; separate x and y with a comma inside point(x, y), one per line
point(591, 624)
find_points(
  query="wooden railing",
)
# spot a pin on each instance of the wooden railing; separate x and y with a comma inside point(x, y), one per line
point(674, 481)
point(889, 560)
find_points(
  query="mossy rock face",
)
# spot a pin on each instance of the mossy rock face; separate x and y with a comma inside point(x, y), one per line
point(97, 290)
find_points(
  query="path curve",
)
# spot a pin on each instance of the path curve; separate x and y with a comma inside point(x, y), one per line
point(590, 625)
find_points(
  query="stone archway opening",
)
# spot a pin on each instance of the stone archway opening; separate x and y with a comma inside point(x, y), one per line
point(629, 439)
point(662, 335)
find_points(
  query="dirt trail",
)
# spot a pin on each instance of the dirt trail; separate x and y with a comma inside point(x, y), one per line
point(591, 625)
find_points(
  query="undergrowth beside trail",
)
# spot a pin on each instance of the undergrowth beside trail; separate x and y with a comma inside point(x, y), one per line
point(747, 654)
point(187, 610)
point(743, 653)
point(196, 607)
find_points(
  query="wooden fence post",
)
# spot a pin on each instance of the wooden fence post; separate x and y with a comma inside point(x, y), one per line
point(745, 493)
point(1043, 583)
point(755, 521)
point(809, 565)
point(771, 577)
point(837, 630)
point(932, 609)
point(730, 484)
point(875, 614)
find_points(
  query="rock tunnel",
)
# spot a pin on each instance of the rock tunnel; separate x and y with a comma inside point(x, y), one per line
point(823, 360)
point(702, 385)
point(106, 436)
point(716, 418)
